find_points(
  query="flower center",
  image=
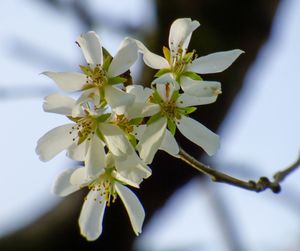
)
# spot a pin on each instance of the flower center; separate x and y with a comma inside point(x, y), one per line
point(95, 77)
point(105, 186)
point(123, 123)
point(179, 59)
point(168, 109)
point(99, 76)
point(85, 127)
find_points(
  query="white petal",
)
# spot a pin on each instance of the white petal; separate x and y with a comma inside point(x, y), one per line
point(124, 59)
point(186, 100)
point(133, 206)
point(91, 216)
point(115, 139)
point(67, 81)
point(165, 91)
point(215, 62)
point(79, 177)
point(140, 105)
point(169, 144)
point(60, 104)
point(139, 131)
point(166, 78)
point(62, 185)
point(78, 152)
point(141, 110)
point(116, 97)
point(91, 47)
point(200, 88)
point(149, 109)
point(132, 168)
point(95, 157)
point(125, 180)
point(88, 95)
point(152, 60)
point(180, 33)
point(54, 141)
point(141, 94)
point(151, 140)
point(199, 134)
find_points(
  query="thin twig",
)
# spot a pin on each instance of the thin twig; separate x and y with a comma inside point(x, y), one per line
point(281, 175)
point(262, 184)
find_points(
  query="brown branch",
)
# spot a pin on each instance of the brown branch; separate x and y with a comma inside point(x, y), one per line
point(262, 184)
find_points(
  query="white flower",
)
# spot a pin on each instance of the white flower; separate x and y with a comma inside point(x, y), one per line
point(85, 140)
point(104, 189)
point(180, 65)
point(101, 73)
point(173, 110)
point(78, 138)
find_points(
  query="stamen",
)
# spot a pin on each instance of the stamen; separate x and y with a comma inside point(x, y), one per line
point(84, 128)
point(96, 76)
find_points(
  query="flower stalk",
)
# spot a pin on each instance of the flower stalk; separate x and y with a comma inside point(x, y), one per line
point(262, 184)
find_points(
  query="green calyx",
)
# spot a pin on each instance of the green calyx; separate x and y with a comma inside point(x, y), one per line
point(96, 77)
point(169, 110)
point(178, 62)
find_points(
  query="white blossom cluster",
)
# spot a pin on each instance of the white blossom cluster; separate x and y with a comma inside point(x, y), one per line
point(117, 127)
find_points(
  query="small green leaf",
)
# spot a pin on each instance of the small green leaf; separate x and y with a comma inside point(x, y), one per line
point(100, 135)
point(72, 119)
point(161, 72)
point(171, 126)
point(188, 56)
point(106, 63)
point(192, 75)
point(167, 54)
point(175, 95)
point(103, 117)
point(132, 140)
point(106, 53)
point(87, 86)
point(156, 98)
point(136, 121)
point(103, 103)
point(154, 118)
point(187, 110)
point(116, 80)
point(81, 138)
point(86, 70)
point(107, 59)
point(101, 92)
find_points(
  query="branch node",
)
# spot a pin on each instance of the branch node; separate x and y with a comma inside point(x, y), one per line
point(276, 188)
